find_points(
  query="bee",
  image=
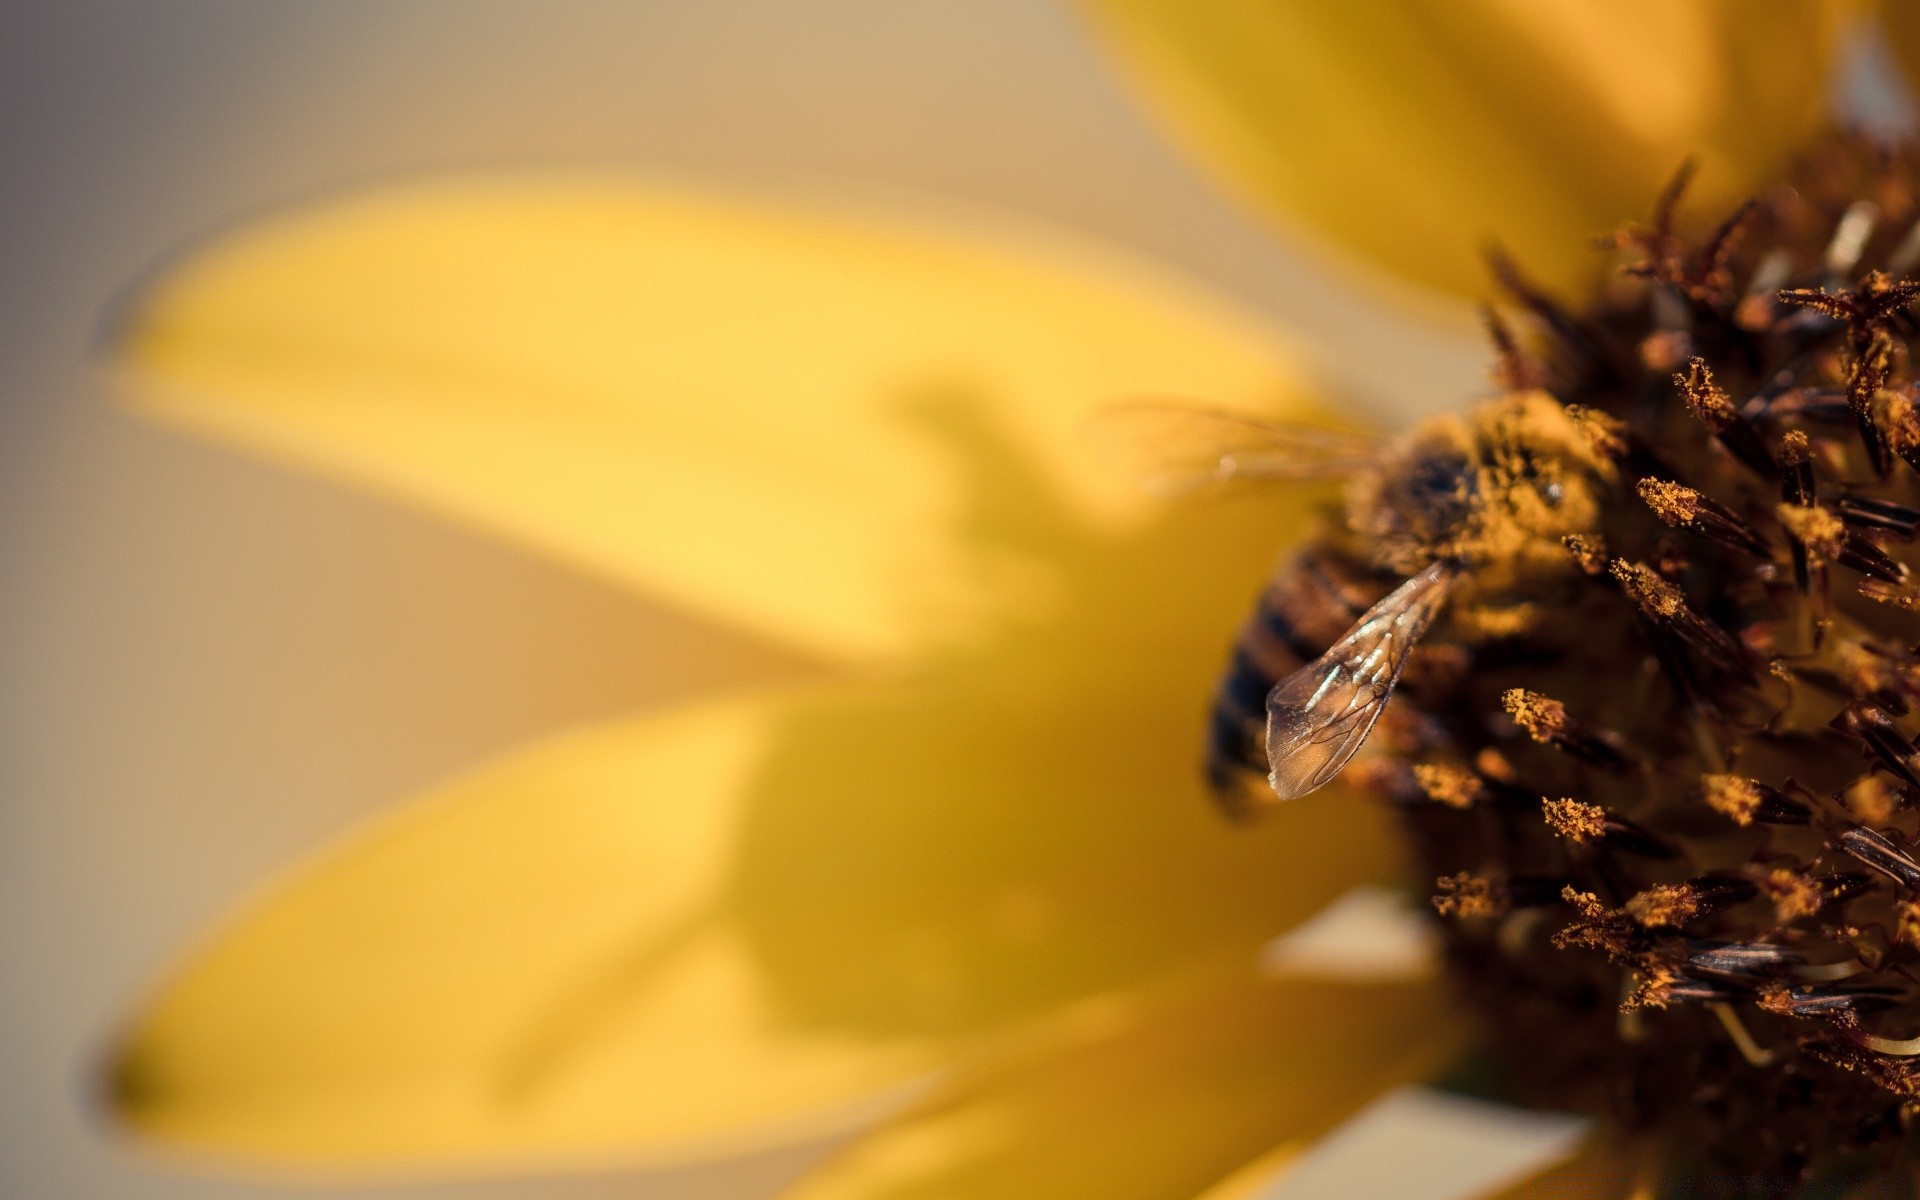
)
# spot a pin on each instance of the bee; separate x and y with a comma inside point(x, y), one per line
point(1466, 512)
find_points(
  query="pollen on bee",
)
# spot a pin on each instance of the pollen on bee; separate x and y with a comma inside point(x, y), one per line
point(1575, 820)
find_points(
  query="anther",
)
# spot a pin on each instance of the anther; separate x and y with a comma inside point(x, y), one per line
point(1675, 904)
point(1665, 608)
point(1812, 1000)
point(1589, 552)
point(1740, 958)
point(1546, 721)
point(1716, 411)
point(1515, 370)
point(1466, 895)
point(1583, 823)
point(1828, 539)
point(1876, 850)
point(1681, 507)
point(1455, 787)
point(1871, 800)
point(1883, 516)
point(1901, 423)
point(1884, 743)
point(1665, 905)
point(1795, 894)
point(1744, 801)
point(1864, 384)
point(1578, 822)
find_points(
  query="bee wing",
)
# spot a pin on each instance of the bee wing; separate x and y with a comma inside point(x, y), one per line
point(1169, 448)
point(1320, 715)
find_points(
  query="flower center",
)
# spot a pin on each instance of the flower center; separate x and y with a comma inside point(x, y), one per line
point(1659, 756)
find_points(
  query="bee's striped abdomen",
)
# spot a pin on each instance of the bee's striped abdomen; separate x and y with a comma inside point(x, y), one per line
point(1308, 604)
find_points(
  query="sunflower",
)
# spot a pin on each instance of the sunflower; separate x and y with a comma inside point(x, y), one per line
point(964, 902)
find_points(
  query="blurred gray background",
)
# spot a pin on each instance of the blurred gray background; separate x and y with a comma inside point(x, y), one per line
point(210, 666)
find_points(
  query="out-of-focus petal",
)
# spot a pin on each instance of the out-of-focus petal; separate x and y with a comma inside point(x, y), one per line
point(742, 920)
point(1151, 1102)
point(1411, 133)
point(748, 409)
point(526, 963)
point(1901, 23)
point(1418, 1143)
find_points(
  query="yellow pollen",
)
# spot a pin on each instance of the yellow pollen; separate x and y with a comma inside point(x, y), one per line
point(1731, 796)
point(1871, 800)
point(1776, 997)
point(1906, 922)
point(1901, 422)
point(1675, 504)
point(1823, 534)
point(1654, 595)
point(1652, 988)
point(1664, 904)
point(1455, 787)
point(1494, 765)
point(1589, 552)
point(1864, 669)
point(1794, 448)
point(1467, 895)
point(1795, 894)
point(1585, 903)
point(1704, 396)
point(1605, 434)
point(1541, 717)
point(1575, 820)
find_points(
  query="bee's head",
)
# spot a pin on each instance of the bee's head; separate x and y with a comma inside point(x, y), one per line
point(1496, 488)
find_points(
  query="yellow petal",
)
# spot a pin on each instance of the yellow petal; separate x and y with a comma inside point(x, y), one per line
point(754, 411)
point(1416, 1143)
point(1601, 1171)
point(1152, 1104)
point(1901, 24)
point(525, 964)
point(748, 918)
point(1412, 133)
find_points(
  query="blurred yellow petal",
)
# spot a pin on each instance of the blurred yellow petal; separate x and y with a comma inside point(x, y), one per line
point(743, 920)
point(733, 405)
point(1601, 1171)
point(1411, 133)
point(1152, 1102)
point(1417, 1143)
point(416, 992)
point(1901, 24)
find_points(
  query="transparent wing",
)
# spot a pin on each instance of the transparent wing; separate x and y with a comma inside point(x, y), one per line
point(1320, 715)
point(1168, 447)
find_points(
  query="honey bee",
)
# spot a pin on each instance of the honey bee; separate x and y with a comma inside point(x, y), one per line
point(1467, 511)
